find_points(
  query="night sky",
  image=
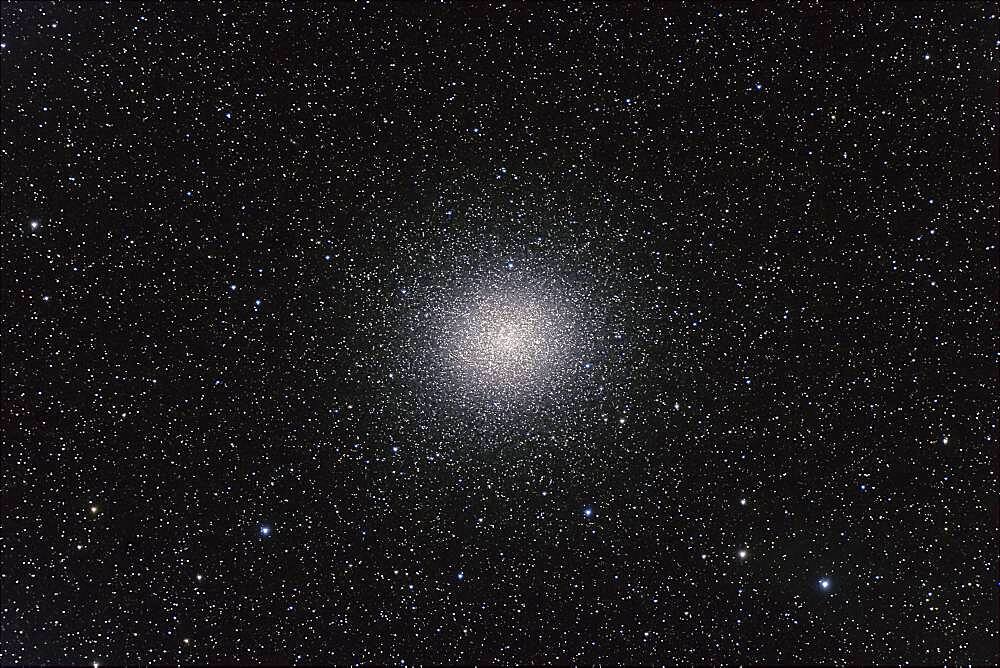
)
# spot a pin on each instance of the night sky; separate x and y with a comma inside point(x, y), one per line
point(513, 333)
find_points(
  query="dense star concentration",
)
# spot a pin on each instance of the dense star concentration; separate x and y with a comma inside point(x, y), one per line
point(492, 339)
point(465, 332)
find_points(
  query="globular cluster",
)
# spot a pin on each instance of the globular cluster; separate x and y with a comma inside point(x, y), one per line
point(503, 333)
point(491, 340)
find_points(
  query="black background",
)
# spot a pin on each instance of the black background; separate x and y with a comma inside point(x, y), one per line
point(796, 206)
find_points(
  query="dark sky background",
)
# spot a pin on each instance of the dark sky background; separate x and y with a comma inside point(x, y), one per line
point(250, 250)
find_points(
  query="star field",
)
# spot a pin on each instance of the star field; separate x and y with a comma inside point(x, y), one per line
point(499, 333)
